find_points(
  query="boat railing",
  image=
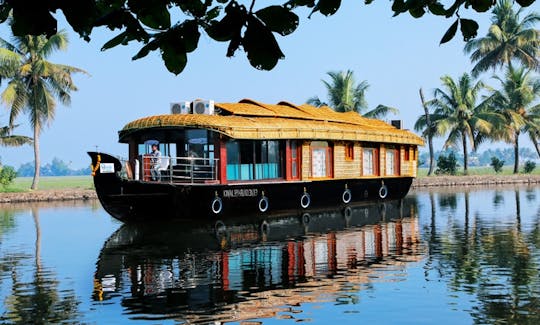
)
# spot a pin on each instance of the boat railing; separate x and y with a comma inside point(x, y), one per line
point(179, 169)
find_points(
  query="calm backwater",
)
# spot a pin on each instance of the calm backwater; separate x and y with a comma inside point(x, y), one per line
point(436, 257)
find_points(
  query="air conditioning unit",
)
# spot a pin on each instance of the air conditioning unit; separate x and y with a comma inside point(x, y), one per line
point(203, 107)
point(181, 107)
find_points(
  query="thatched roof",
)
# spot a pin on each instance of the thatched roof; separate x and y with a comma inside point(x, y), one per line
point(252, 120)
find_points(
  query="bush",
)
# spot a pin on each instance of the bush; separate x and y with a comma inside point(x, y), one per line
point(446, 164)
point(529, 166)
point(497, 164)
point(7, 175)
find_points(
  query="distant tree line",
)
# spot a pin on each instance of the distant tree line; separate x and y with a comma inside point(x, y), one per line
point(483, 158)
point(56, 167)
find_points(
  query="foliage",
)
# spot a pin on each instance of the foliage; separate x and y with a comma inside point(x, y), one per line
point(12, 140)
point(56, 167)
point(34, 84)
point(458, 115)
point(509, 38)
point(345, 95)
point(174, 27)
point(497, 164)
point(515, 102)
point(529, 166)
point(7, 175)
point(446, 165)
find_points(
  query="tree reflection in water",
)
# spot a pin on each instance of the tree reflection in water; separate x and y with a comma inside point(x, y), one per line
point(37, 301)
point(497, 262)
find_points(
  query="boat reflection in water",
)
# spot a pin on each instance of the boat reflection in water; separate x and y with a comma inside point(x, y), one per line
point(200, 272)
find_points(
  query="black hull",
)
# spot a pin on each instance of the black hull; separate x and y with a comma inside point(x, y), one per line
point(131, 201)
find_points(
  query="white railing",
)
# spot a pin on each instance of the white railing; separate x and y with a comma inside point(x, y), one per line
point(178, 169)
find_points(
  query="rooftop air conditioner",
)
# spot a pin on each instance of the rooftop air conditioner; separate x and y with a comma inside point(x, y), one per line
point(203, 107)
point(181, 108)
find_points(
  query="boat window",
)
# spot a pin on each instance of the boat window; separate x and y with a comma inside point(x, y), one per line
point(390, 162)
point(321, 159)
point(369, 161)
point(248, 160)
point(349, 151)
point(407, 156)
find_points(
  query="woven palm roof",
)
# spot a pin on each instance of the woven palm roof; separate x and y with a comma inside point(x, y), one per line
point(248, 119)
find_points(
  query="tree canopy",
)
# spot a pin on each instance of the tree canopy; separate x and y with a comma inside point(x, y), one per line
point(174, 26)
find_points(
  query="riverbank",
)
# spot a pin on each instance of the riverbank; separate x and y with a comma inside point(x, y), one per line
point(48, 195)
point(474, 180)
point(70, 194)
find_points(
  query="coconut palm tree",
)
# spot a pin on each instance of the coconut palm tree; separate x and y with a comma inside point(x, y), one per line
point(426, 125)
point(509, 38)
point(11, 140)
point(345, 95)
point(456, 112)
point(514, 101)
point(34, 84)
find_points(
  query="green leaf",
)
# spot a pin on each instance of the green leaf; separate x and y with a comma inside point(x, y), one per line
point(525, 3)
point(174, 56)
point(213, 13)
point(151, 46)
point(37, 21)
point(327, 7)
point(481, 5)
point(189, 34)
point(398, 7)
point(230, 26)
point(450, 33)
point(153, 14)
point(263, 51)
point(4, 11)
point(118, 39)
point(300, 3)
point(278, 19)
point(469, 28)
point(437, 9)
point(417, 12)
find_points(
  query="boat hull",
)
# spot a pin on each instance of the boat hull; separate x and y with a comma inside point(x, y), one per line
point(132, 201)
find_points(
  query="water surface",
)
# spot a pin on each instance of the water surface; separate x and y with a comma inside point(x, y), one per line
point(440, 256)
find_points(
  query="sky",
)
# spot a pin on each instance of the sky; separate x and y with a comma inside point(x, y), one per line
point(396, 55)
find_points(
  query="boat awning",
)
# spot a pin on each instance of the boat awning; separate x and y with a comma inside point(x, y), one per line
point(251, 120)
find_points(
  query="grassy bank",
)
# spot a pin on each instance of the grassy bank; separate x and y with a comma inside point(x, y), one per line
point(22, 184)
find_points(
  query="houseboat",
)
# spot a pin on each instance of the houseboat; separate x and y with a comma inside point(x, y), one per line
point(219, 159)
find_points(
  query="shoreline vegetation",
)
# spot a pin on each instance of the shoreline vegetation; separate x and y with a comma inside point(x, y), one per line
point(71, 188)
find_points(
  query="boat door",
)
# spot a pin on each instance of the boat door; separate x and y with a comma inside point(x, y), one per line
point(294, 161)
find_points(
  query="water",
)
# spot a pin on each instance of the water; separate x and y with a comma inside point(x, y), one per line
point(436, 257)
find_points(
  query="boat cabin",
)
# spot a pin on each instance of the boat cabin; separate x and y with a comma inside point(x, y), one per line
point(220, 143)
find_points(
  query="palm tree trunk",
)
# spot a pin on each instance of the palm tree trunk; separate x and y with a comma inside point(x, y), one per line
point(429, 135)
point(465, 154)
point(35, 181)
point(536, 146)
point(516, 153)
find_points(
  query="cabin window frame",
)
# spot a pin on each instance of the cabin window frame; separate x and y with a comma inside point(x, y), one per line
point(374, 161)
point(392, 167)
point(349, 151)
point(327, 148)
point(252, 164)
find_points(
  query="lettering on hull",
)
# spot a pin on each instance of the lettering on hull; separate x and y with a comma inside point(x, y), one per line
point(240, 192)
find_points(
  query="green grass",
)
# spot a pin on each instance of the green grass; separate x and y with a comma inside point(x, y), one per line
point(507, 170)
point(22, 184)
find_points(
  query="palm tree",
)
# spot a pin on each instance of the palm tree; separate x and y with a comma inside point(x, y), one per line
point(457, 113)
point(10, 140)
point(344, 95)
point(509, 38)
point(425, 123)
point(34, 84)
point(514, 101)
